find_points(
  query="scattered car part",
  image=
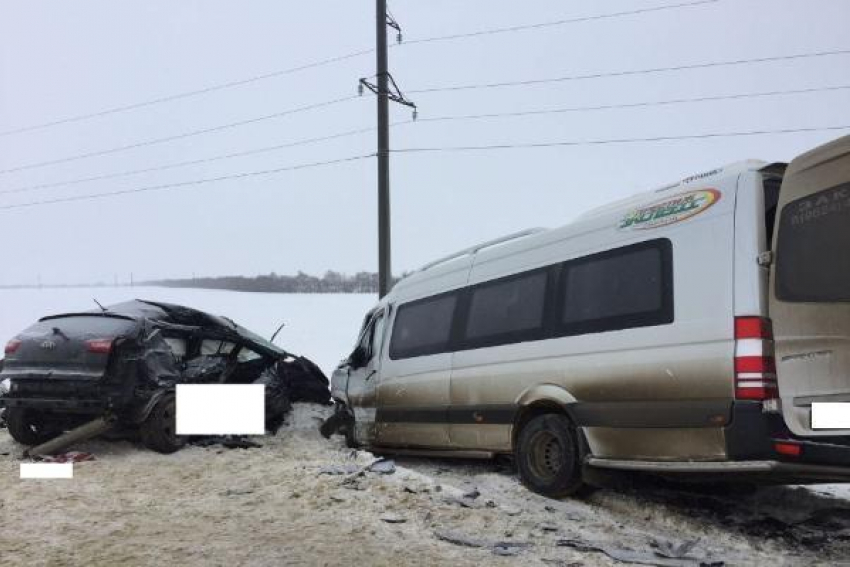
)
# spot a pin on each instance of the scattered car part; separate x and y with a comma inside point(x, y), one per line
point(82, 433)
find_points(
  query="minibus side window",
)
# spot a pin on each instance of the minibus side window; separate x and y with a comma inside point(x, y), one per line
point(619, 289)
point(507, 310)
point(423, 327)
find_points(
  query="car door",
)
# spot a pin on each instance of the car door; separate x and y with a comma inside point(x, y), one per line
point(361, 372)
point(810, 285)
point(414, 388)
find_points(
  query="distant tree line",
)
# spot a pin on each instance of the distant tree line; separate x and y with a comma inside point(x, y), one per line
point(331, 282)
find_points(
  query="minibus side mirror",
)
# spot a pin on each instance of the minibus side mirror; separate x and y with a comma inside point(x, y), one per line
point(358, 357)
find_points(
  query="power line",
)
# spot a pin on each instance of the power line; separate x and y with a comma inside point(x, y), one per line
point(186, 94)
point(618, 140)
point(630, 72)
point(184, 135)
point(631, 104)
point(533, 112)
point(549, 24)
point(186, 163)
point(332, 60)
point(183, 184)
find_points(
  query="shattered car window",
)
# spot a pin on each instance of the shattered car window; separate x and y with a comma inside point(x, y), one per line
point(247, 355)
point(177, 346)
point(211, 347)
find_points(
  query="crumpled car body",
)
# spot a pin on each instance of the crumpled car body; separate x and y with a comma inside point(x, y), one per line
point(125, 361)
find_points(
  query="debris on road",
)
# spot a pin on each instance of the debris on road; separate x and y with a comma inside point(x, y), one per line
point(498, 547)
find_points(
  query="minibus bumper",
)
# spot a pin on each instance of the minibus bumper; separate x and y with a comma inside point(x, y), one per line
point(753, 434)
point(766, 471)
point(758, 447)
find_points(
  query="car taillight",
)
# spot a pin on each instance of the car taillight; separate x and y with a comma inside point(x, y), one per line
point(788, 449)
point(99, 346)
point(12, 346)
point(755, 364)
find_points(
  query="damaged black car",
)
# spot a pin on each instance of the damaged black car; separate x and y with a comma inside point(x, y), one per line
point(123, 362)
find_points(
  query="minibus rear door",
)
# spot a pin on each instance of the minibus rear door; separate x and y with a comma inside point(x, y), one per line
point(810, 285)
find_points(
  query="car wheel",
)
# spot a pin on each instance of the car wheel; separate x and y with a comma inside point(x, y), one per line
point(548, 456)
point(159, 431)
point(29, 427)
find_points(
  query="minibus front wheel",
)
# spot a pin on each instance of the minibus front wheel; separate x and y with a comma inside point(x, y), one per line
point(548, 456)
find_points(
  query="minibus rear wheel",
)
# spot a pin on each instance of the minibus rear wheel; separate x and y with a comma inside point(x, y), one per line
point(548, 456)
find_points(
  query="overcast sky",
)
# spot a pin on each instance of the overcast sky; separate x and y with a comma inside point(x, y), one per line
point(60, 59)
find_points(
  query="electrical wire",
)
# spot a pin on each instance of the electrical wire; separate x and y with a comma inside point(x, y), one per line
point(631, 104)
point(541, 25)
point(186, 94)
point(182, 136)
point(453, 88)
point(533, 112)
point(187, 163)
point(534, 145)
point(183, 184)
point(331, 60)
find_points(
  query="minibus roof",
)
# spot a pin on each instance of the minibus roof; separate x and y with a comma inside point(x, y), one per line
point(432, 273)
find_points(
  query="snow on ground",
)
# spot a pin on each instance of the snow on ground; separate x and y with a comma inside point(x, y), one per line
point(321, 327)
point(273, 505)
point(302, 500)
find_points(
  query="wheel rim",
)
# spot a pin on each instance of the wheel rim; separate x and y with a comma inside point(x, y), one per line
point(168, 422)
point(34, 423)
point(547, 456)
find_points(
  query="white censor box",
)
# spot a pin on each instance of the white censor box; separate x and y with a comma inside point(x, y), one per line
point(47, 470)
point(221, 409)
point(831, 415)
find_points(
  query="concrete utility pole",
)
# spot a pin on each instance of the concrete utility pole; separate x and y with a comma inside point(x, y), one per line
point(386, 90)
point(384, 227)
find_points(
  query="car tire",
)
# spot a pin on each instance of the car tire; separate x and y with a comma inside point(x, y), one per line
point(159, 431)
point(548, 456)
point(28, 427)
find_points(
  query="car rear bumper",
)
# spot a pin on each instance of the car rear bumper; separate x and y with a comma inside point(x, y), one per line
point(55, 404)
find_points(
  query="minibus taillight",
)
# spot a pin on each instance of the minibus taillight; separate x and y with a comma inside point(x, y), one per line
point(755, 364)
point(99, 346)
point(12, 346)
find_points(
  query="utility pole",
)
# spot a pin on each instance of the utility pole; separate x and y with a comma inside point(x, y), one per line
point(384, 227)
point(386, 91)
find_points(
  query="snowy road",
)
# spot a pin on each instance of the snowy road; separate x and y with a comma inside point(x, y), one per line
point(276, 505)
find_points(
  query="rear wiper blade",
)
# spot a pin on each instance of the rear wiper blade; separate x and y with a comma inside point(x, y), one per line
point(102, 308)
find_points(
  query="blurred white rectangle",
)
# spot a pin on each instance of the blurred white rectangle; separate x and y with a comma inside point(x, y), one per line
point(47, 470)
point(221, 409)
point(831, 415)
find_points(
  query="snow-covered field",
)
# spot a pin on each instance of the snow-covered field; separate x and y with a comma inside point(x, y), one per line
point(275, 506)
point(321, 327)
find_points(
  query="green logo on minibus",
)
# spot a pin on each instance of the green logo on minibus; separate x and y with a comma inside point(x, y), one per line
point(669, 211)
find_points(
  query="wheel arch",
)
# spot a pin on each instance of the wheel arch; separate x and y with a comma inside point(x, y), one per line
point(542, 399)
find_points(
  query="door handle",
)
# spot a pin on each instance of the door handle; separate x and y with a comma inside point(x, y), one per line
point(369, 377)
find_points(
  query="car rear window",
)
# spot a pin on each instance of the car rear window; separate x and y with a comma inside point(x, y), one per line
point(813, 252)
point(86, 326)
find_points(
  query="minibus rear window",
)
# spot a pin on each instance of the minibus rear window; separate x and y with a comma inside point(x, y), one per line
point(618, 289)
point(423, 327)
point(813, 252)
